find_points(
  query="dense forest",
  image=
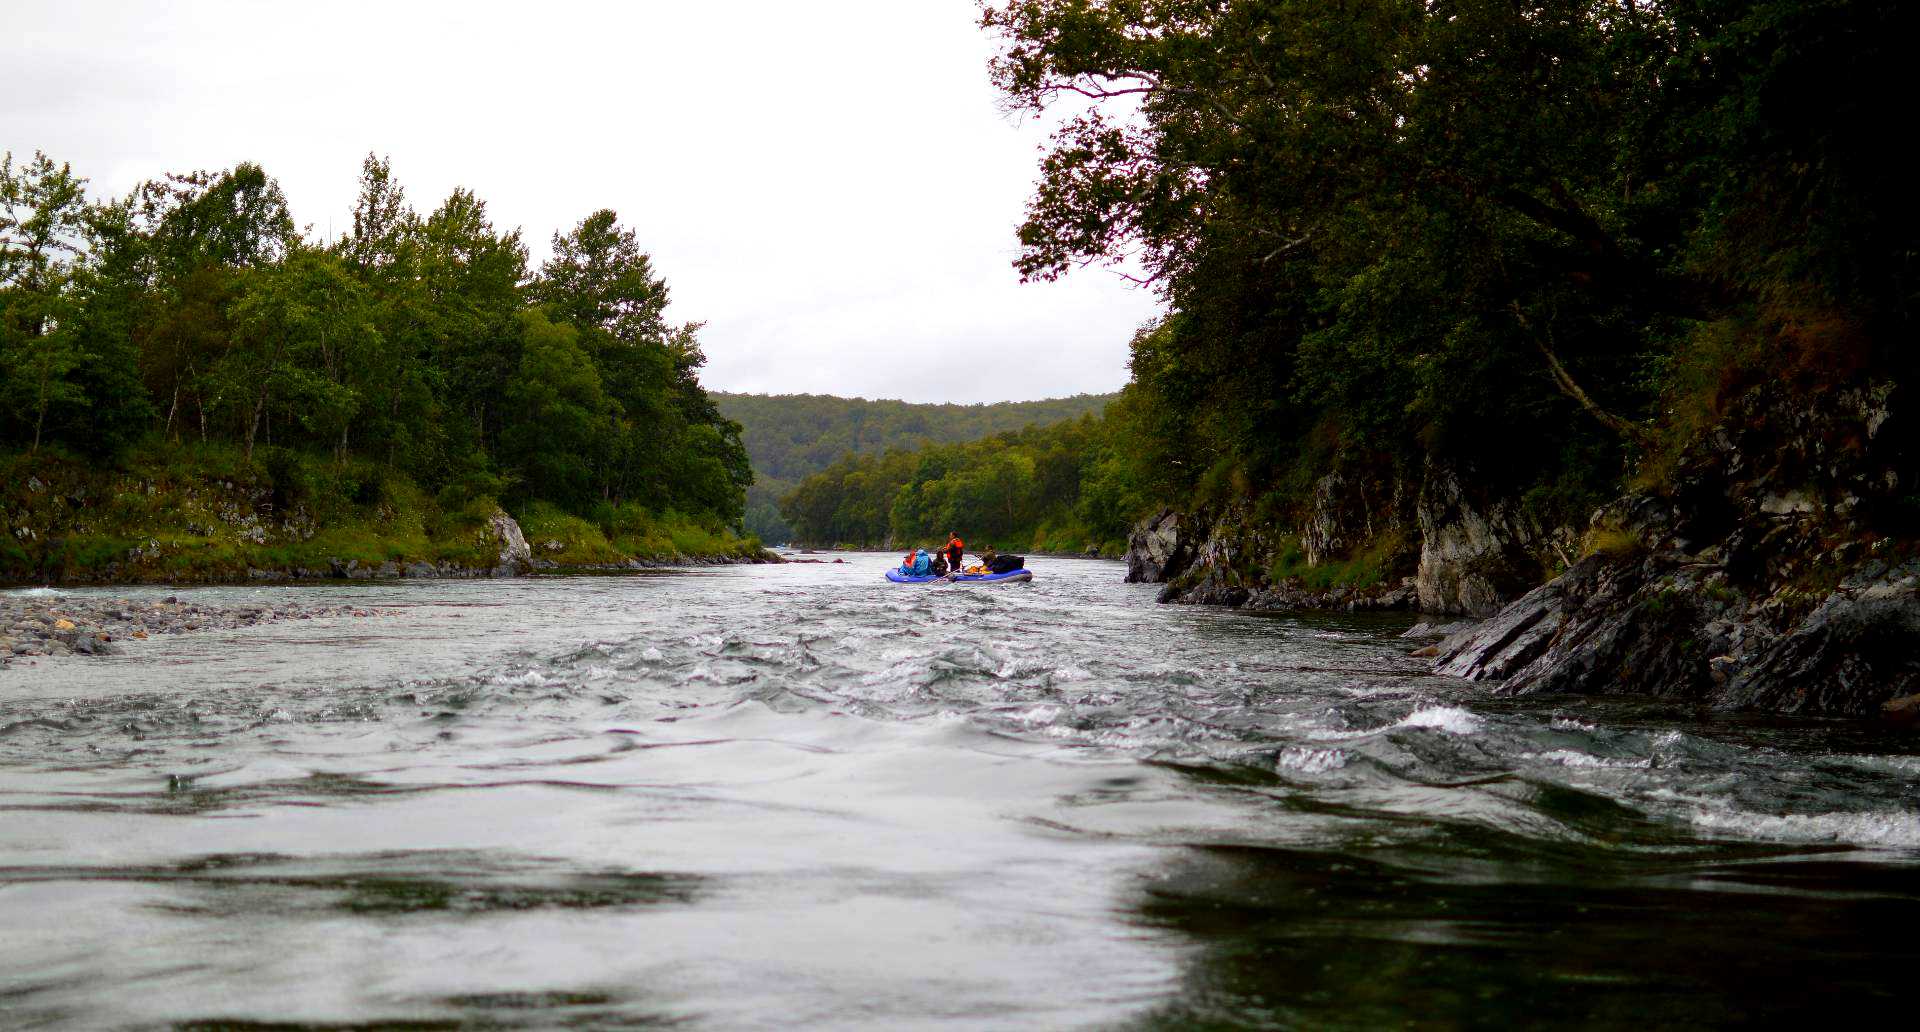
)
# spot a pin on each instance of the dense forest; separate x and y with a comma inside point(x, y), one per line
point(1541, 243)
point(419, 347)
point(1061, 488)
point(790, 437)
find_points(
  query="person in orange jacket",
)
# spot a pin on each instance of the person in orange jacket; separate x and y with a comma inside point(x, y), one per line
point(955, 549)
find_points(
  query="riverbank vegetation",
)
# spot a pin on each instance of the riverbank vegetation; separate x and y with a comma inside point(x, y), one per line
point(418, 364)
point(196, 513)
point(1062, 488)
point(790, 437)
point(1542, 245)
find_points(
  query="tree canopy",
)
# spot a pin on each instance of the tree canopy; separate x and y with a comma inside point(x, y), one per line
point(791, 437)
point(192, 308)
point(1063, 487)
point(1516, 236)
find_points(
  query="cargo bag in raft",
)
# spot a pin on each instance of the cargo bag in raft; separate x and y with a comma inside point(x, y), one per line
point(1006, 564)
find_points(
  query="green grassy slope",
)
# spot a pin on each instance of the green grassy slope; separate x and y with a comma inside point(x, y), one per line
point(172, 513)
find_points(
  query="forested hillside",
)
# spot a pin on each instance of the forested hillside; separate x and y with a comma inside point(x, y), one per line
point(1590, 317)
point(792, 436)
point(417, 352)
point(1063, 488)
point(1516, 255)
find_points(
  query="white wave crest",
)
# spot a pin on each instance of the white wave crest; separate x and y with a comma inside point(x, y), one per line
point(1897, 764)
point(1571, 758)
point(1310, 761)
point(1451, 719)
point(1042, 714)
point(1896, 828)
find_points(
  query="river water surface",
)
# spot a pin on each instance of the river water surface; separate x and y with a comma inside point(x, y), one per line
point(778, 796)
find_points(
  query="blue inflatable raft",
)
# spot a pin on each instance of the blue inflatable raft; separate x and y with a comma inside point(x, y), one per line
point(1010, 576)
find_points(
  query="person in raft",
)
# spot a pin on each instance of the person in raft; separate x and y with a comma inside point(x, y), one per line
point(982, 562)
point(917, 564)
point(955, 549)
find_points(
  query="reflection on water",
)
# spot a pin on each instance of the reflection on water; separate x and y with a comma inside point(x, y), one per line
point(777, 796)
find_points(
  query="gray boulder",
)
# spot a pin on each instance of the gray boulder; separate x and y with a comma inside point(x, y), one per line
point(514, 556)
point(1159, 548)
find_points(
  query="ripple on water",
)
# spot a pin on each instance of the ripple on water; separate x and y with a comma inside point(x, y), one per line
point(776, 795)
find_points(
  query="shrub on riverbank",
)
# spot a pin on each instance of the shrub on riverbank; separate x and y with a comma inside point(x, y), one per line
point(207, 513)
point(617, 534)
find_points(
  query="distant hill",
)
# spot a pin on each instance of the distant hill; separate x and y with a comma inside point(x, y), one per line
point(793, 436)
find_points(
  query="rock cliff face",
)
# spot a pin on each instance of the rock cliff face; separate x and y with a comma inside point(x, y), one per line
point(1159, 547)
point(1777, 568)
point(1467, 553)
point(1477, 553)
point(1777, 572)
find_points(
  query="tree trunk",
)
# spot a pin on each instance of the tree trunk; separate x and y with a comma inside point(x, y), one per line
point(40, 412)
point(253, 425)
point(1633, 432)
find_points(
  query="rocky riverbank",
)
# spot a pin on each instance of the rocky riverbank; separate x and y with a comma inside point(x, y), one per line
point(1775, 567)
point(33, 626)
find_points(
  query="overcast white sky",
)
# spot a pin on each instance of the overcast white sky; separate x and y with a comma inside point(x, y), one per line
point(830, 186)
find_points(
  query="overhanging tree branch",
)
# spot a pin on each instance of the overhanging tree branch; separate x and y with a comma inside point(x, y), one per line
point(1564, 380)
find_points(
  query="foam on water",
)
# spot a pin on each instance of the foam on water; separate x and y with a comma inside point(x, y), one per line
point(874, 809)
point(1451, 719)
point(1572, 758)
point(1311, 761)
point(1891, 828)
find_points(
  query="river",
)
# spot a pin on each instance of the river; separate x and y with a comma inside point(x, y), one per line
point(779, 796)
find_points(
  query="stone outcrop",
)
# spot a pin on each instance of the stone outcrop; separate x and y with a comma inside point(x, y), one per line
point(1477, 553)
point(1160, 547)
point(1777, 571)
point(1474, 553)
point(516, 557)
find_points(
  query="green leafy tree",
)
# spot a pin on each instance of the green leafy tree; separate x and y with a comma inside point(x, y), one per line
point(42, 225)
point(193, 307)
point(303, 347)
point(1475, 231)
point(563, 420)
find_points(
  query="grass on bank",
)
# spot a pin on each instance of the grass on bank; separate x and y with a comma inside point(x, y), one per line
point(201, 512)
point(613, 534)
point(1369, 566)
